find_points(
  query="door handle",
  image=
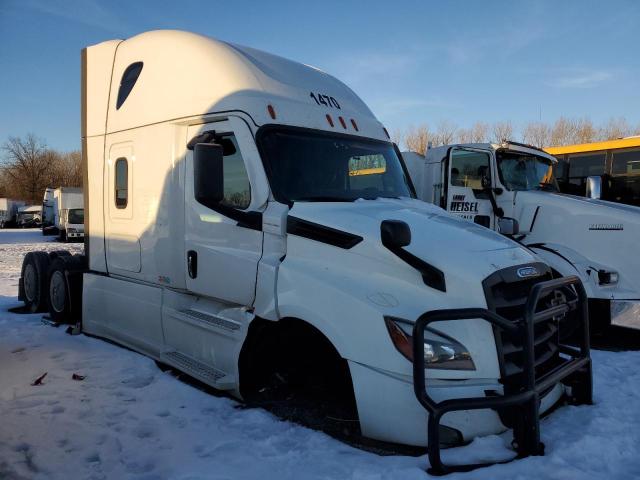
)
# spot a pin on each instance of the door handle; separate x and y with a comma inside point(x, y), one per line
point(192, 263)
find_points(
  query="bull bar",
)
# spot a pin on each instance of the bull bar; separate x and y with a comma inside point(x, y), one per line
point(575, 371)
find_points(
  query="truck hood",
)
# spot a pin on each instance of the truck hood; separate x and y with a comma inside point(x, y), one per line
point(442, 240)
point(605, 233)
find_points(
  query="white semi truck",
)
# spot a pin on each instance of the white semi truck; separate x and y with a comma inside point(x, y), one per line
point(29, 216)
point(249, 222)
point(68, 213)
point(8, 211)
point(48, 213)
point(510, 187)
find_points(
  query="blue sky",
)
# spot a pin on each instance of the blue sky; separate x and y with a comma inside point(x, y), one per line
point(413, 62)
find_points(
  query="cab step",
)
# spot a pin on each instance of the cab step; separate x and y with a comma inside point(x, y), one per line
point(199, 370)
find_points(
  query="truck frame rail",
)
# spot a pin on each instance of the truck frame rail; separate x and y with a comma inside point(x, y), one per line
point(575, 369)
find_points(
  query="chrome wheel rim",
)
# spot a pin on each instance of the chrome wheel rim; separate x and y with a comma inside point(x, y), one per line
point(57, 291)
point(30, 282)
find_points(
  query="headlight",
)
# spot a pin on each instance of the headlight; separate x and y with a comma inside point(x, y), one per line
point(440, 351)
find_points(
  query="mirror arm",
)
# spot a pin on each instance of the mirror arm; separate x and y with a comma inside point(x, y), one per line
point(498, 212)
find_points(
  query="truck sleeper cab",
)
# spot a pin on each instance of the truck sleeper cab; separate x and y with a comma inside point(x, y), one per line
point(492, 184)
point(257, 228)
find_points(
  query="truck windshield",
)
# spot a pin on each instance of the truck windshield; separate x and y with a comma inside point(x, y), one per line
point(306, 166)
point(522, 171)
point(76, 215)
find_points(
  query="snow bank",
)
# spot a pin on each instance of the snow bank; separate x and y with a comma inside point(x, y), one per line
point(128, 419)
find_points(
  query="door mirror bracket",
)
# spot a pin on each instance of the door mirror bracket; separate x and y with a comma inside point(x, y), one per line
point(508, 226)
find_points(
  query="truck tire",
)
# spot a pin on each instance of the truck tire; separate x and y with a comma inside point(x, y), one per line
point(34, 281)
point(65, 288)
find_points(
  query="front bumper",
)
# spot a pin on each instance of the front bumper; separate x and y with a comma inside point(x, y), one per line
point(523, 405)
point(625, 313)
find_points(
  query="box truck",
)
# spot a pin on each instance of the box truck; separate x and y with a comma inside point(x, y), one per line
point(512, 188)
point(68, 213)
point(249, 222)
point(8, 212)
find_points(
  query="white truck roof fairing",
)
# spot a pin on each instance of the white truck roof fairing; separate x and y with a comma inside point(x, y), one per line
point(437, 153)
point(186, 75)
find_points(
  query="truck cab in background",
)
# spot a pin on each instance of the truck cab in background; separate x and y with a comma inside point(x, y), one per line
point(68, 213)
point(511, 188)
point(48, 213)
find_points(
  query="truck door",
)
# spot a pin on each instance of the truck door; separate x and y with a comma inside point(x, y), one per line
point(469, 174)
point(223, 246)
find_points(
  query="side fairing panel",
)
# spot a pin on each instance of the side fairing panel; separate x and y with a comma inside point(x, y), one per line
point(144, 239)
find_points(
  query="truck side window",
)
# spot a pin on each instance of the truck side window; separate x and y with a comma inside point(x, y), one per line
point(237, 190)
point(468, 168)
point(129, 79)
point(121, 183)
point(626, 162)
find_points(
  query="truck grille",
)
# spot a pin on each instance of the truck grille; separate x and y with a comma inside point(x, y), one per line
point(506, 295)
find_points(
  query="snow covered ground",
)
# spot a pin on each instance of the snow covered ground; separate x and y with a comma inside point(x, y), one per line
point(128, 419)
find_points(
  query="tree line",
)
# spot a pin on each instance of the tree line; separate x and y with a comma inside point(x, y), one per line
point(28, 166)
point(564, 131)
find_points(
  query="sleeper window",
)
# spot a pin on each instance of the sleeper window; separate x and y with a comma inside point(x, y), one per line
point(121, 183)
point(129, 79)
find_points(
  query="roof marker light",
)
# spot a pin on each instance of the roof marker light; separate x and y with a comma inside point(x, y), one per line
point(342, 122)
point(272, 112)
point(329, 119)
point(355, 125)
point(385, 132)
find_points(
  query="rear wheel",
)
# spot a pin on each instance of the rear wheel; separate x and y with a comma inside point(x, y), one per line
point(34, 281)
point(65, 288)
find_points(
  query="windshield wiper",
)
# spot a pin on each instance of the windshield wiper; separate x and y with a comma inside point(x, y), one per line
point(546, 186)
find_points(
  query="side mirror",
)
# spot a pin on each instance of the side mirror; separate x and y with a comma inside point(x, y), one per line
point(486, 182)
point(508, 226)
point(594, 187)
point(395, 234)
point(208, 174)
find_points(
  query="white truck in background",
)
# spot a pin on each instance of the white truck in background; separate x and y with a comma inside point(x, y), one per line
point(510, 187)
point(8, 212)
point(68, 213)
point(48, 213)
point(257, 229)
point(29, 216)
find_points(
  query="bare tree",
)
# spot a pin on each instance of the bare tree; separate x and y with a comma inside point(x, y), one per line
point(564, 131)
point(537, 133)
point(397, 136)
point(417, 139)
point(445, 134)
point(478, 133)
point(69, 170)
point(28, 167)
point(502, 131)
point(614, 128)
point(585, 131)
